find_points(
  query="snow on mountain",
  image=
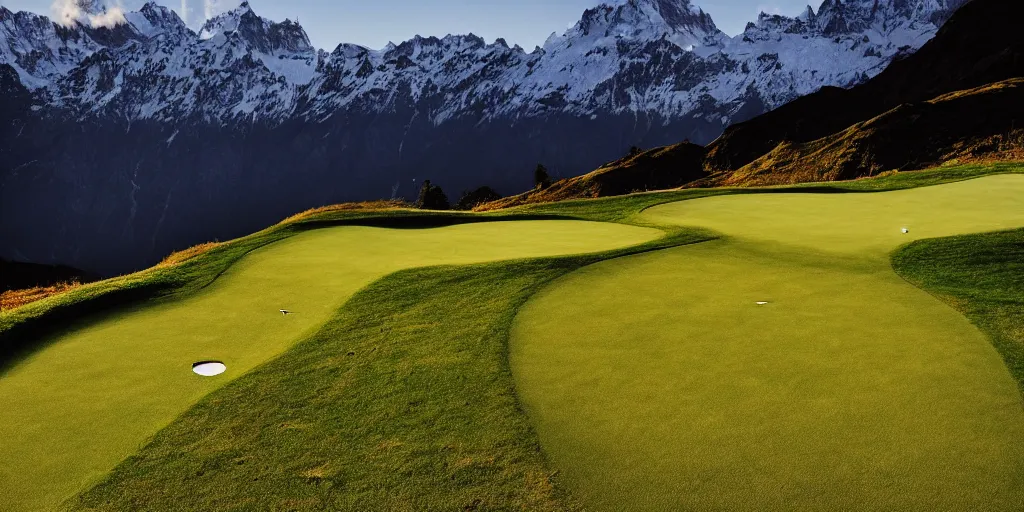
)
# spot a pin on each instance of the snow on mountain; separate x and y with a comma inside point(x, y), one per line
point(679, 21)
point(129, 140)
point(39, 49)
point(655, 56)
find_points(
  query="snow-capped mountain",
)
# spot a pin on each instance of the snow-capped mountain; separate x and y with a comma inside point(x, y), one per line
point(663, 57)
point(246, 112)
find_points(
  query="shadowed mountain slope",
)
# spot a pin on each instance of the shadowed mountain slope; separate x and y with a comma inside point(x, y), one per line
point(654, 169)
point(979, 123)
point(980, 44)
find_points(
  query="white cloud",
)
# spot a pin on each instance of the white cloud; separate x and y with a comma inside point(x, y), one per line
point(211, 8)
point(94, 13)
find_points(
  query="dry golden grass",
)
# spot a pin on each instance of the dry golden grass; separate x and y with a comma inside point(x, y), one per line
point(381, 204)
point(16, 298)
point(997, 148)
point(561, 190)
point(187, 254)
point(955, 128)
point(984, 89)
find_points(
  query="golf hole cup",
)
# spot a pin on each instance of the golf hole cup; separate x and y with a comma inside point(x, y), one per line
point(209, 368)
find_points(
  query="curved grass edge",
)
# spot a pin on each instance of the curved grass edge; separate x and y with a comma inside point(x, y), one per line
point(410, 442)
point(982, 277)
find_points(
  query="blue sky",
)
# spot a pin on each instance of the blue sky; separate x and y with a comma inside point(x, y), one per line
point(375, 22)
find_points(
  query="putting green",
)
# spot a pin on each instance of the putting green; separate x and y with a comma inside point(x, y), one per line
point(656, 382)
point(80, 405)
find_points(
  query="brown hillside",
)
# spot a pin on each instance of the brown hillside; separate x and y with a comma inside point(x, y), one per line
point(975, 124)
point(655, 169)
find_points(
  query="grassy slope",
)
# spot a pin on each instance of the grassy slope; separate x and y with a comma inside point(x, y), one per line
point(193, 275)
point(656, 383)
point(132, 367)
point(404, 401)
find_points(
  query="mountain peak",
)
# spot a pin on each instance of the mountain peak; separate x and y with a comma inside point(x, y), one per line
point(154, 19)
point(260, 33)
point(677, 20)
point(808, 16)
point(226, 22)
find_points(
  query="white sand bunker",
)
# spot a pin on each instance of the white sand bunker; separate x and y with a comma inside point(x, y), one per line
point(762, 302)
point(209, 368)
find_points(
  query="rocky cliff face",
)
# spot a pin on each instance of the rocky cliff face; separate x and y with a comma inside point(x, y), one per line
point(132, 136)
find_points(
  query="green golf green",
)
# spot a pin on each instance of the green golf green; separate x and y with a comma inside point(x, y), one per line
point(658, 381)
point(75, 408)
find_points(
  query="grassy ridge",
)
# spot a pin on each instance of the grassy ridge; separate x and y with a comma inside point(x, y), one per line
point(404, 401)
point(982, 276)
point(23, 328)
point(20, 327)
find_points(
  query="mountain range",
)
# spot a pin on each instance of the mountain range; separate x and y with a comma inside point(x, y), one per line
point(959, 99)
point(130, 137)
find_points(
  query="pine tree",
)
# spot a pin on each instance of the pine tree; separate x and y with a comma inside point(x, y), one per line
point(477, 196)
point(432, 198)
point(541, 178)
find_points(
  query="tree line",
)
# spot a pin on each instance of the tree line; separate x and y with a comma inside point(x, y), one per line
point(431, 197)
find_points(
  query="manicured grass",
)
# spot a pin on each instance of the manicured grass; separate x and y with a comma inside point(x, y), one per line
point(34, 337)
point(656, 382)
point(402, 402)
point(982, 276)
point(859, 224)
point(89, 399)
